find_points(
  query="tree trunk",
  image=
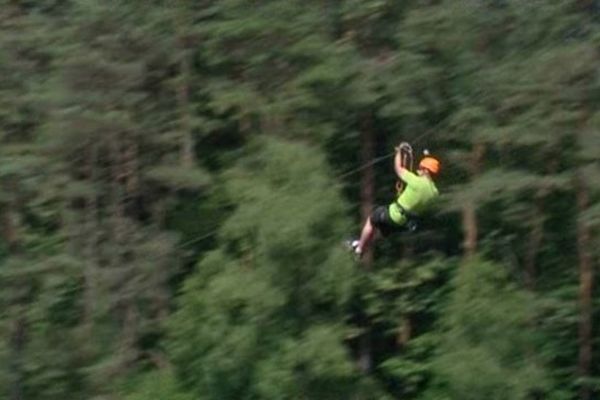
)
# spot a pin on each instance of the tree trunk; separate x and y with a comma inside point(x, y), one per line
point(129, 335)
point(469, 222)
point(183, 91)
point(16, 349)
point(367, 180)
point(469, 214)
point(587, 6)
point(187, 141)
point(331, 8)
point(91, 231)
point(536, 236)
point(404, 331)
point(586, 277)
point(131, 169)
point(9, 227)
point(10, 234)
point(10, 219)
point(367, 190)
point(117, 198)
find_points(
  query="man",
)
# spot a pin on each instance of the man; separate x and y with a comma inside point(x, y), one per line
point(418, 195)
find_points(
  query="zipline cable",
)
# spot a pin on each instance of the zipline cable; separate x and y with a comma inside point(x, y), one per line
point(343, 175)
point(366, 165)
point(386, 156)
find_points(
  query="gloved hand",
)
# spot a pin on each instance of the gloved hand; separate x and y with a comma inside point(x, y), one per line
point(402, 145)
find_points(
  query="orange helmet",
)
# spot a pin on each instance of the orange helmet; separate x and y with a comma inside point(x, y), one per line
point(430, 164)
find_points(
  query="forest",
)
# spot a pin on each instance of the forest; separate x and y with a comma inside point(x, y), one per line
point(178, 177)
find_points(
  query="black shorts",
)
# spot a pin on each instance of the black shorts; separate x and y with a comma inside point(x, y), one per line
point(380, 218)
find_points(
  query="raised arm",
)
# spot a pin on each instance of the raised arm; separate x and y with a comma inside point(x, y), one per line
point(398, 164)
point(403, 173)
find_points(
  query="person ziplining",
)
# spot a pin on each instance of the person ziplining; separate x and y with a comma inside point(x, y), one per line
point(416, 194)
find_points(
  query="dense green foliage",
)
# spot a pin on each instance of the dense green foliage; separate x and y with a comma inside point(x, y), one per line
point(177, 177)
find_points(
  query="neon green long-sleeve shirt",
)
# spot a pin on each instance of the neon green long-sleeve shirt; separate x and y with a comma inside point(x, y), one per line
point(418, 195)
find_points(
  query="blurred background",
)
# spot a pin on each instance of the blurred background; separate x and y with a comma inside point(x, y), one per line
point(177, 179)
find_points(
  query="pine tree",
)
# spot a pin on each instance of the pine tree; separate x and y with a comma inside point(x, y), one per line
point(259, 312)
point(25, 241)
point(483, 329)
point(101, 159)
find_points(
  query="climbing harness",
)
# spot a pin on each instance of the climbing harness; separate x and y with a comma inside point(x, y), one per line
point(412, 219)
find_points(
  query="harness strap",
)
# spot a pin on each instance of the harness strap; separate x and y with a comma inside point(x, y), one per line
point(412, 219)
point(407, 213)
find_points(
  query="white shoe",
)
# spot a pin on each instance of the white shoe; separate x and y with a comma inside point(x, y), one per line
point(353, 246)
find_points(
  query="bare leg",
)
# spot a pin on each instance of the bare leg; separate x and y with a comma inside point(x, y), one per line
point(366, 236)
